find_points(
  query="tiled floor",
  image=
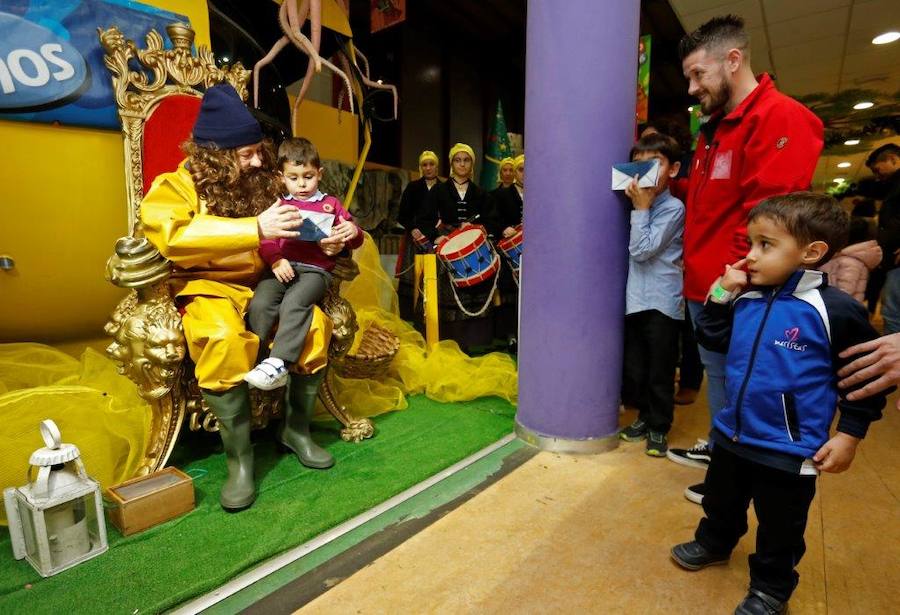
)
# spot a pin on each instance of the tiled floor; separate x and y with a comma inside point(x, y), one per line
point(573, 534)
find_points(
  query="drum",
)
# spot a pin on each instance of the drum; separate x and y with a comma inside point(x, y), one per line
point(512, 248)
point(469, 256)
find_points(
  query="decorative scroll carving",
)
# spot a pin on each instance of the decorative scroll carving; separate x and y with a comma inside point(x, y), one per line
point(161, 72)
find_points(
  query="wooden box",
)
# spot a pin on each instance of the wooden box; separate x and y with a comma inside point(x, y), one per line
point(149, 500)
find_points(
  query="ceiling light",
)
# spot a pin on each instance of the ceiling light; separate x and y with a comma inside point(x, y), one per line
point(887, 37)
point(839, 180)
point(863, 105)
point(844, 165)
point(851, 142)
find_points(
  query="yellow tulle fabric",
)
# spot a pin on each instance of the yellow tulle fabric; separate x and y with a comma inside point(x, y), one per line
point(443, 374)
point(94, 407)
point(102, 413)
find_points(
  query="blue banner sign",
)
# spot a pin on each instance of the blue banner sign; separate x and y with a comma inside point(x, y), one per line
point(51, 61)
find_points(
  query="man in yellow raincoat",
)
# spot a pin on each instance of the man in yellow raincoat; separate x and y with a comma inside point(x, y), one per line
point(208, 217)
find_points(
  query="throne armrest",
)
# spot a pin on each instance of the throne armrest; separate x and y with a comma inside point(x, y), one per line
point(148, 339)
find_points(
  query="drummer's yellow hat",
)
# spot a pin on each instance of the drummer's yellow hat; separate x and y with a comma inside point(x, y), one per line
point(519, 160)
point(427, 155)
point(462, 147)
point(508, 161)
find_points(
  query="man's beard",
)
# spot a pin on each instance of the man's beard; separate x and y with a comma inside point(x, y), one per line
point(253, 191)
point(718, 98)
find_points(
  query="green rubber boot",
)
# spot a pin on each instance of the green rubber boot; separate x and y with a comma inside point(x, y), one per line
point(232, 409)
point(300, 403)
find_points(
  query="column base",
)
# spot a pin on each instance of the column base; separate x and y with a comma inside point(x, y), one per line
point(590, 446)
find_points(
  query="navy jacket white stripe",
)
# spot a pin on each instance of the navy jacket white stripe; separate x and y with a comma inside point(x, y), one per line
point(782, 348)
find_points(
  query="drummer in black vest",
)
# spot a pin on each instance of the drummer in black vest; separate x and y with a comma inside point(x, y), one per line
point(460, 203)
point(508, 203)
point(420, 226)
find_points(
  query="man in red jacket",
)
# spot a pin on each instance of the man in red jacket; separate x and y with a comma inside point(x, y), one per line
point(757, 143)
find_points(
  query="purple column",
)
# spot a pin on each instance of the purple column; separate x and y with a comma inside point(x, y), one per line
point(581, 69)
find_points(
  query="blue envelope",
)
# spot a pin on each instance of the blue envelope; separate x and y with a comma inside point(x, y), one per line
point(316, 225)
point(646, 170)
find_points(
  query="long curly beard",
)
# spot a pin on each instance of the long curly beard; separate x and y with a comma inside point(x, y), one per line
point(228, 190)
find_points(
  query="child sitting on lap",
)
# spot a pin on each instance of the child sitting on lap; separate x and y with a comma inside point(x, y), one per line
point(301, 270)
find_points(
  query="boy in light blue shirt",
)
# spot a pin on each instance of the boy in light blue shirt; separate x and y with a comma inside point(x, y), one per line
point(654, 305)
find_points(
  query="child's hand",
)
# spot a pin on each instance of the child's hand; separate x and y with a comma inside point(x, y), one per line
point(509, 231)
point(283, 270)
point(735, 278)
point(331, 246)
point(837, 454)
point(417, 234)
point(641, 198)
point(345, 231)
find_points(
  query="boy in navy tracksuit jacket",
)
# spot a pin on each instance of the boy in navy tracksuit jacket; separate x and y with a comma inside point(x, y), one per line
point(782, 327)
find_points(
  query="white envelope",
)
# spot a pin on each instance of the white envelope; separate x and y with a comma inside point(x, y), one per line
point(316, 225)
point(646, 170)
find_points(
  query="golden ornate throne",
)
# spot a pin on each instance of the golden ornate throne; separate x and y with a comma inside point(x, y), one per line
point(158, 93)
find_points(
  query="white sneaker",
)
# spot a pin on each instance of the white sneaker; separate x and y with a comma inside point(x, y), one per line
point(268, 375)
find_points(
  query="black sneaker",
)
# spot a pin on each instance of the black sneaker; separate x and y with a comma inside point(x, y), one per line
point(657, 445)
point(695, 493)
point(758, 603)
point(696, 457)
point(635, 432)
point(694, 556)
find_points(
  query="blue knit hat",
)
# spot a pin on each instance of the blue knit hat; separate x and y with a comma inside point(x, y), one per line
point(224, 120)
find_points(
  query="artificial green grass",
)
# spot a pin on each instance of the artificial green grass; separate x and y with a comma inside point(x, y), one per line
point(171, 563)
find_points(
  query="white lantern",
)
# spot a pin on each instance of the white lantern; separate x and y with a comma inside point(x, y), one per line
point(56, 521)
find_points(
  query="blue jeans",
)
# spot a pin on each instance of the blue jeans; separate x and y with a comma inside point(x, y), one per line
point(890, 308)
point(714, 362)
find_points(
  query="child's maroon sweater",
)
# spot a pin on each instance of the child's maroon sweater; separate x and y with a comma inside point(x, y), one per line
point(308, 252)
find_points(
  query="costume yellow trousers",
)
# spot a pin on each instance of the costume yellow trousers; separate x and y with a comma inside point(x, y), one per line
point(219, 344)
point(223, 350)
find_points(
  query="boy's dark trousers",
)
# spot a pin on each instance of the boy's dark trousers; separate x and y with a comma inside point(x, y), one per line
point(651, 355)
point(781, 501)
point(291, 305)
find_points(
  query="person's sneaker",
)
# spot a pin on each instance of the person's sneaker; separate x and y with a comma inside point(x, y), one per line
point(268, 375)
point(694, 556)
point(695, 493)
point(758, 603)
point(696, 457)
point(686, 396)
point(657, 444)
point(635, 432)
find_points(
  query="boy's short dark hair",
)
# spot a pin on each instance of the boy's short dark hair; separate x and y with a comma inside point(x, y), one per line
point(881, 153)
point(657, 142)
point(299, 151)
point(808, 217)
point(718, 32)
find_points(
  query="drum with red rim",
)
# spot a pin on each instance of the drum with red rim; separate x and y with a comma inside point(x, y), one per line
point(469, 256)
point(512, 248)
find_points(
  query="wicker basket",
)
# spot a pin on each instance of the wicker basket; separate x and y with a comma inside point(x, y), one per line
point(375, 353)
